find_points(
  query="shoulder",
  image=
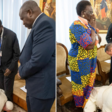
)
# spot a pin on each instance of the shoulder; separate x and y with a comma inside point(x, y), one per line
point(9, 32)
point(110, 26)
point(48, 19)
point(44, 21)
point(77, 25)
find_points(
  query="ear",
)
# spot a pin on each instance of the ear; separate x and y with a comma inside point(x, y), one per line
point(107, 52)
point(82, 13)
point(30, 12)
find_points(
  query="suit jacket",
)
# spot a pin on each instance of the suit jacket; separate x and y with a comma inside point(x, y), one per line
point(109, 34)
point(10, 51)
point(38, 59)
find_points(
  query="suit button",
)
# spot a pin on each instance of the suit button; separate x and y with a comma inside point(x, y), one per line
point(110, 38)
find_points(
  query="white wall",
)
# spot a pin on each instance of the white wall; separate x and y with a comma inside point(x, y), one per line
point(65, 15)
point(103, 37)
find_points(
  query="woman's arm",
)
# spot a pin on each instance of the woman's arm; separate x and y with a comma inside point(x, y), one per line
point(92, 23)
point(99, 38)
point(93, 37)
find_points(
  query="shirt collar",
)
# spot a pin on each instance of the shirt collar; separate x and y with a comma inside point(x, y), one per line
point(2, 32)
point(37, 18)
point(84, 21)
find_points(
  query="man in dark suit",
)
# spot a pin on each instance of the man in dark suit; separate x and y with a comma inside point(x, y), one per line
point(38, 58)
point(9, 55)
point(109, 40)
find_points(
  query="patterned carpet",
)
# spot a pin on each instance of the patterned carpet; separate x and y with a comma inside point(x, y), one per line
point(17, 109)
point(70, 107)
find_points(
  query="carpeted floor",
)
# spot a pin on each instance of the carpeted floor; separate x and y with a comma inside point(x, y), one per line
point(70, 107)
point(17, 109)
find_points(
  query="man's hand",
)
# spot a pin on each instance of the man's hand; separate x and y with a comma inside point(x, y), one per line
point(18, 75)
point(7, 72)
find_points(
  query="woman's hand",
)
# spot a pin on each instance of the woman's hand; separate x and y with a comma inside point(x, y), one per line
point(92, 21)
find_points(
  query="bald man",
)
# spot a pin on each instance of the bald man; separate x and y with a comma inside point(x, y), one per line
point(108, 49)
point(38, 58)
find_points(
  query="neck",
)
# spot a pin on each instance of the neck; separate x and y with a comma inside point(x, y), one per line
point(83, 20)
point(36, 15)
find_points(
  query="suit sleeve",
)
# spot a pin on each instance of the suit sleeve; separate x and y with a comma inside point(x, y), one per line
point(16, 54)
point(42, 50)
point(109, 34)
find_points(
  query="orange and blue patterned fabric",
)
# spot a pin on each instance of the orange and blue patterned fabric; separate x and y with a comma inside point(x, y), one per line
point(82, 62)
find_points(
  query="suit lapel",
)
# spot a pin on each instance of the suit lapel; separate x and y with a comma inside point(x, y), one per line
point(3, 38)
point(26, 41)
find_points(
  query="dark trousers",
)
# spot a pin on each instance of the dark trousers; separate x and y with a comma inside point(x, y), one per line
point(110, 75)
point(39, 105)
point(6, 83)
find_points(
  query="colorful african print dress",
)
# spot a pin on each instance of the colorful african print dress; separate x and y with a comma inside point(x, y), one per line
point(82, 63)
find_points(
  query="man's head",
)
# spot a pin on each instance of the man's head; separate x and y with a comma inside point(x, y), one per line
point(1, 26)
point(28, 13)
point(108, 49)
point(8, 106)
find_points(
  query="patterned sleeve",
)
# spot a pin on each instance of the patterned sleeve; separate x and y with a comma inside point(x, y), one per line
point(81, 35)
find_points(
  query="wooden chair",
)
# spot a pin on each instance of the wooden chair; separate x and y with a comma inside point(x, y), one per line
point(103, 68)
point(64, 88)
point(19, 96)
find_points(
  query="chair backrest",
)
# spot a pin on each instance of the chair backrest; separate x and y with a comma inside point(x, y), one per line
point(61, 59)
point(101, 55)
